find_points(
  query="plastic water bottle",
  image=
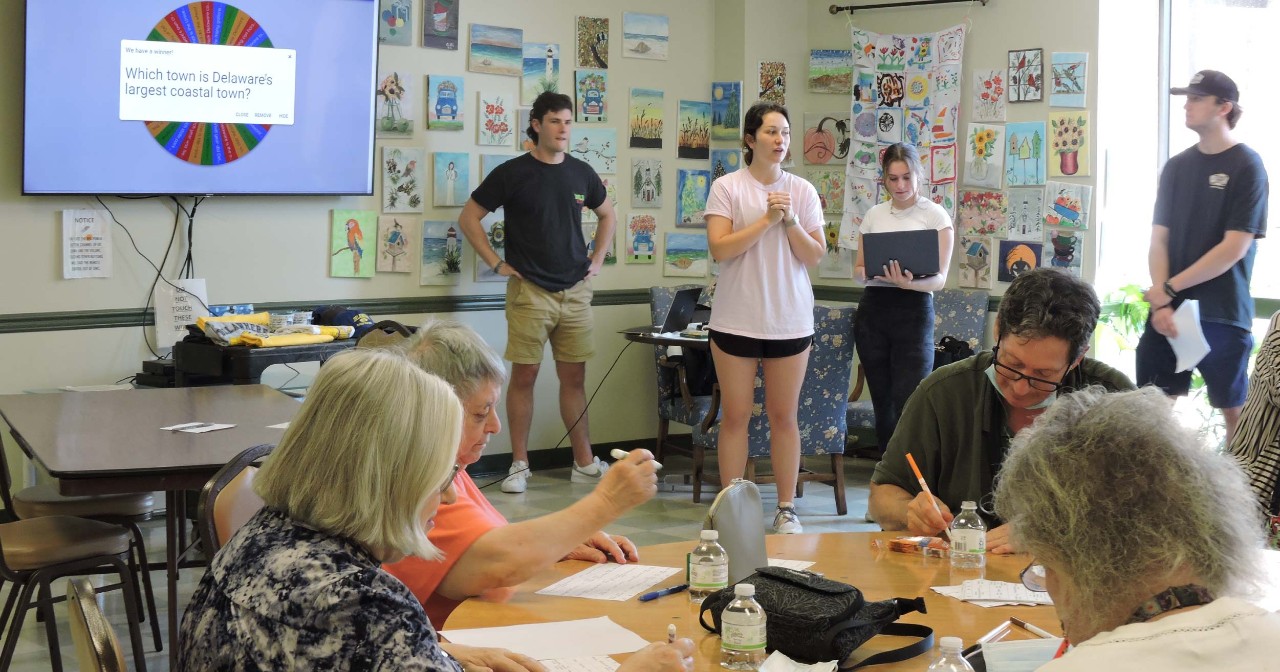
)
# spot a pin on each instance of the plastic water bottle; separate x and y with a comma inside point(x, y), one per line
point(708, 567)
point(968, 538)
point(742, 631)
point(952, 658)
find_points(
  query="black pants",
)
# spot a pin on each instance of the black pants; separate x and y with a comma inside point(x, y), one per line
point(893, 334)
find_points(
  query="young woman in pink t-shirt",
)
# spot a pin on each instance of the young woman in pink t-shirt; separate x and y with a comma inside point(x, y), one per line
point(764, 226)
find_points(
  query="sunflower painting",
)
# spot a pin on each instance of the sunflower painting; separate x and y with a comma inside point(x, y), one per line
point(985, 165)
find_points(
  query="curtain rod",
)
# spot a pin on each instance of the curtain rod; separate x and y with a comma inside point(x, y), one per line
point(836, 9)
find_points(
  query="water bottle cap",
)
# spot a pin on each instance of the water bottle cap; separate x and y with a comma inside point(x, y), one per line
point(968, 504)
point(744, 590)
point(951, 643)
point(709, 535)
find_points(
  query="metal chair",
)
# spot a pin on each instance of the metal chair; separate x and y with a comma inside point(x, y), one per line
point(97, 648)
point(227, 500)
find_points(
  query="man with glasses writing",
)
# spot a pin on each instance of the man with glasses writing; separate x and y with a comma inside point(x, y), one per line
point(958, 423)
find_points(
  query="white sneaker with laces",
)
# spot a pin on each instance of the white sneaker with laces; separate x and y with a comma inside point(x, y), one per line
point(517, 479)
point(785, 520)
point(591, 473)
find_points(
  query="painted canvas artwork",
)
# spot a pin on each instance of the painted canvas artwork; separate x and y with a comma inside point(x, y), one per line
point(945, 196)
point(831, 71)
point(395, 245)
point(395, 105)
point(441, 254)
point(863, 116)
point(916, 89)
point(490, 161)
point(347, 243)
point(724, 161)
point(1017, 257)
point(692, 189)
point(644, 122)
point(891, 53)
point(451, 186)
point(496, 50)
point(859, 197)
point(645, 36)
point(836, 264)
point(592, 42)
point(494, 226)
point(983, 213)
point(830, 186)
point(395, 22)
point(1069, 143)
point(440, 25)
point(1026, 214)
point(641, 234)
point(863, 160)
point(988, 95)
point(592, 89)
point(495, 119)
point(915, 127)
point(826, 137)
point(589, 236)
point(889, 125)
point(1064, 250)
point(523, 142)
point(694, 137)
point(773, 82)
point(942, 164)
point(402, 176)
point(541, 71)
point(984, 166)
point(685, 255)
point(1026, 75)
point(726, 111)
point(1068, 78)
point(444, 103)
point(1026, 153)
point(890, 89)
point(975, 262)
point(596, 146)
point(610, 192)
point(1067, 205)
point(646, 183)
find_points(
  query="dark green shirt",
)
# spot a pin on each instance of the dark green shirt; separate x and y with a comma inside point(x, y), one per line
point(955, 427)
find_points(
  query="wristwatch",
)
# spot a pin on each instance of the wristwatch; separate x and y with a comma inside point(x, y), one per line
point(498, 266)
point(789, 222)
point(1168, 289)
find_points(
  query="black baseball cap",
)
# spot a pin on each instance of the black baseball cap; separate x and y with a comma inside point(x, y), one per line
point(1210, 83)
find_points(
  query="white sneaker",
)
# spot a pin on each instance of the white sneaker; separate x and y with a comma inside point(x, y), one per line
point(591, 473)
point(785, 521)
point(517, 479)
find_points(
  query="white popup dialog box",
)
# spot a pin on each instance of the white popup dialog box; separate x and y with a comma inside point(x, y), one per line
point(173, 81)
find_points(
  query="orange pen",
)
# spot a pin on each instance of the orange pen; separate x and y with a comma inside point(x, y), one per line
point(925, 486)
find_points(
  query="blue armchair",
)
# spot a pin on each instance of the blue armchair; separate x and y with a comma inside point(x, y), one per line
point(675, 401)
point(822, 410)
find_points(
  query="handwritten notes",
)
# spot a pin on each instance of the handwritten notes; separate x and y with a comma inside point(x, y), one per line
point(581, 664)
point(555, 641)
point(609, 582)
point(993, 593)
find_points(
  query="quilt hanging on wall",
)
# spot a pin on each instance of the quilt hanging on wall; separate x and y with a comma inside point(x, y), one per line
point(906, 89)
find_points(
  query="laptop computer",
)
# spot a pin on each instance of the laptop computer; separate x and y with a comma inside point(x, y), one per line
point(683, 305)
point(916, 251)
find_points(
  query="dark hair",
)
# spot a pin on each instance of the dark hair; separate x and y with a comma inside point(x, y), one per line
point(547, 101)
point(907, 154)
point(1233, 117)
point(754, 120)
point(1048, 302)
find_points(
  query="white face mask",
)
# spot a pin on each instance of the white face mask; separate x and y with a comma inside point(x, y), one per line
point(1048, 401)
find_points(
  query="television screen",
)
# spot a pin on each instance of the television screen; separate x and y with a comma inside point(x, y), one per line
point(171, 97)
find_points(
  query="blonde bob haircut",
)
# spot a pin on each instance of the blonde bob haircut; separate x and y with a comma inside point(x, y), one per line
point(375, 438)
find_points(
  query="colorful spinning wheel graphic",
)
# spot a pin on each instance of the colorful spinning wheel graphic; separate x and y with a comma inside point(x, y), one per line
point(208, 22)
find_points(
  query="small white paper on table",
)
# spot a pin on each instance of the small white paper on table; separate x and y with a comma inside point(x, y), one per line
point(283, 425)
point(609, 582)
point(559, 640)
point(97, 388)
point(790, 564)
point(1189, 345)
point(580, 664)
point(779, 662)
point(197, 427)
point(993, 593)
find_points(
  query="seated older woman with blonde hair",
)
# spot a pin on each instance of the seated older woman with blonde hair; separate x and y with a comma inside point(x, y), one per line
point(1145, 539)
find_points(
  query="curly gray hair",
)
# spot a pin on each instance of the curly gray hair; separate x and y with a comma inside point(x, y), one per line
point(1112, 491)
point(455, 352)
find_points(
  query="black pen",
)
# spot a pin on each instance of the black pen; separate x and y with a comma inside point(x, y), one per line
point(665, 591)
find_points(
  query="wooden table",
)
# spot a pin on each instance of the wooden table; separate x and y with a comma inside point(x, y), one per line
point(848, 557)
point(111, 442)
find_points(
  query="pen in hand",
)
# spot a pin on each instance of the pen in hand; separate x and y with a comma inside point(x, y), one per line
point(671, 633)
point(665, 591)
point(620, 454)
point(1033, 629)
point(925, 487)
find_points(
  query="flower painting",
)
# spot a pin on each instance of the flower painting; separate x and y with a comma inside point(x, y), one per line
point(830, 186)
point(496, 120)
point(1026, 75)
point(988, 95)
point(395, 105)
point(983, 213)
point(591, 87)
point(642, 231)
point(985, 165)
point(1069, 143)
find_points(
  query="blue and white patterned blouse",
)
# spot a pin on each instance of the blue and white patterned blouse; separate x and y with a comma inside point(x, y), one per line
point(282, 596)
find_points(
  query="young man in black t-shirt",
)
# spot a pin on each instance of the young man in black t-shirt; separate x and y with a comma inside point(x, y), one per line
point(549, 275)
point(1210, 210)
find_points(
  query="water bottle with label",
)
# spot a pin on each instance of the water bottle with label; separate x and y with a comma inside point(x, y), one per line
point(952, 658)
point(708, 567)
point(742, 631)
point(968, 538)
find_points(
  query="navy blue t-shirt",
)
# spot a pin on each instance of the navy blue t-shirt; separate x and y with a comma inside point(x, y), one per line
point(543, 208)
point(1201, 197)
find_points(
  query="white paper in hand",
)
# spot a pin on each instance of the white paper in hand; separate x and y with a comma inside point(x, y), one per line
point(1189, 345)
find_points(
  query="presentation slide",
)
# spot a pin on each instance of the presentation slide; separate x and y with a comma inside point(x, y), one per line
point(206, 97)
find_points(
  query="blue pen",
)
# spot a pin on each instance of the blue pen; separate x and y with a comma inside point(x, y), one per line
point(665, 591)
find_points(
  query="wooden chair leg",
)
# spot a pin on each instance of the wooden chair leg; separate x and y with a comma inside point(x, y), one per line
point(664, 425)
point(837, 469)
point(699, 454)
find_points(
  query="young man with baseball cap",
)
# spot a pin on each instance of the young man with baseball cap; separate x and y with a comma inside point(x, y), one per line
point(1211, 208)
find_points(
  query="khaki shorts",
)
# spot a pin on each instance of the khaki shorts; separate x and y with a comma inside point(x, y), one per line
point(535, 316)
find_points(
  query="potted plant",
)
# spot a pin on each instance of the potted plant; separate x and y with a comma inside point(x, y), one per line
point(1068, 139)
point(981, 144)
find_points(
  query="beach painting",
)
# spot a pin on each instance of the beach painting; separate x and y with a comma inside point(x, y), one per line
point(645, 36)
point(494, 226)
point(444, 103)
point(592, 90)
point(646, 183)
point(541, 70)
point(830, 71)
point(694, 138)
point(692, 189)
point(726, 111)
point(441, 254)
point(592, 42)
point(685, 255)
point(452, 179)
point(597, 146)
point(645, 119)
point(395, 245)
point(496, 50)
point(724, 161)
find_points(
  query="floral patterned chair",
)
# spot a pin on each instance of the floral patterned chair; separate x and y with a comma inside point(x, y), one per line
point(822, 406)
point(961, 313)
point(676, 403)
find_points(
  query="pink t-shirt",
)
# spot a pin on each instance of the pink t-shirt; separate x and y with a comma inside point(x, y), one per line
point(764, 292)
point(458, 525)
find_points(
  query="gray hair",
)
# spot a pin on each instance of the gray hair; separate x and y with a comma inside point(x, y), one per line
point(1048, 302)
point(455, 352)
point(1114, 492)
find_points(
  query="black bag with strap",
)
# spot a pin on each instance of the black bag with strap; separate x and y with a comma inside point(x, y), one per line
point(812, 619)
point(950, 349)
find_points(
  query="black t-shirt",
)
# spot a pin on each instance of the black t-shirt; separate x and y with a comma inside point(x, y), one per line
point(543, 209)
point(1201, 197)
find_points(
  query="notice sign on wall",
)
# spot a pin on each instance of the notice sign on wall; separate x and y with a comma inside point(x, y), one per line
point(178, 305)
point(86, 244)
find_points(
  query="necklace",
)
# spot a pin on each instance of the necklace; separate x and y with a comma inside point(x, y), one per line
point(1173, 597)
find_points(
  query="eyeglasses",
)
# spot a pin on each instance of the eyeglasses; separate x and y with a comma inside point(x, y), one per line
point(452, 475)
point(1033, 577)
point(1015, 375)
